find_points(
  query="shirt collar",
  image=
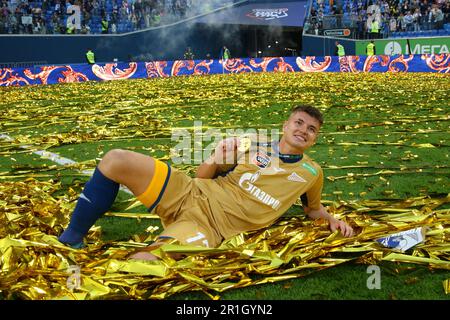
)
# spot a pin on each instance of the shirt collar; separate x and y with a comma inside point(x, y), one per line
point(287, 158)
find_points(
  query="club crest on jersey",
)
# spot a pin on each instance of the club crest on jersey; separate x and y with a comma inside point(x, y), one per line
point(262, 160)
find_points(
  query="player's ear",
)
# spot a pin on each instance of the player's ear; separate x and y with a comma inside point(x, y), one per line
point(316, 138)
point(285, 125)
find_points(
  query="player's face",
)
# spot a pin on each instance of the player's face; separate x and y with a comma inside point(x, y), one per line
point(300, 132)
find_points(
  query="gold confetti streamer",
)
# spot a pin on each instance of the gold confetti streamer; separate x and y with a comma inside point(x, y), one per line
point(34, 265)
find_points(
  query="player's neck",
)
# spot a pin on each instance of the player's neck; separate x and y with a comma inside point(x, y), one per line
point(285, 148)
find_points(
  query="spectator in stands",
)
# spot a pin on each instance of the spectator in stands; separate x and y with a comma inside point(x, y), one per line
point(405, 8)
point(384, 30)
point(90, 56)
point(134, 21)
point(70, 29)
point(408, 18)
point(392, 25)
point(58, 7)
point(417, 17)
point(124, 11)
point(385, 7)
point(37, 26)
point(446, 11)
point(45, 5)
point(431, 19)
point(13, 24)
point(374, 29)
point(361, 26)
point(156, 20)
point(105, 25)
point(55, 23)
point(369, 20)
point(401, 25)
point(95, 7)
point(423, 6)
point(85, 16)
point(85, 29)
point(115, 9)
point(438, 18)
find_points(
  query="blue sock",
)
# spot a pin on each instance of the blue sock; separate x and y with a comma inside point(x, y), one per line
point(97, 197)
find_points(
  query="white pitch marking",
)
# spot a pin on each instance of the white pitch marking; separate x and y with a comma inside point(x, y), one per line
point(58, 159)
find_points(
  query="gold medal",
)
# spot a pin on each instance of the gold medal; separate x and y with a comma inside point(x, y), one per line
point(244, 144)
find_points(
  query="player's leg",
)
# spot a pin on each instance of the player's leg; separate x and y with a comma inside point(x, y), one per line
point(146, 254)
point(187, 232)
point(131, 169)
point(167, 193)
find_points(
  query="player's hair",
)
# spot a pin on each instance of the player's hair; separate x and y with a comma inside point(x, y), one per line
point(310, 110)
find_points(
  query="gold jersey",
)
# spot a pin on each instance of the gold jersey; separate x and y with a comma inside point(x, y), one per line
point(251, 195)
point(260, 188)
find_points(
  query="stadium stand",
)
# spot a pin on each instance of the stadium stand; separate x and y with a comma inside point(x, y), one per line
point(120, 16)
point(396, 18)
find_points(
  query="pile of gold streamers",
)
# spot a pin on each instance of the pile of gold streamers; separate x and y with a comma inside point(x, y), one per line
point(34, 265)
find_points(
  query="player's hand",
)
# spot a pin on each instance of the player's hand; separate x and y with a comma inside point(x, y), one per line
point(226, 151)
point(345, 229)
point(144, 255)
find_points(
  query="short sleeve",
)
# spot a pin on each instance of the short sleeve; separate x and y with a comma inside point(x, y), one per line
point(312, 197)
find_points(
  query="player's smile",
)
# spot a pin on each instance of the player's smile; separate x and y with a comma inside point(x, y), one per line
point(300, 138)
point(300, 133)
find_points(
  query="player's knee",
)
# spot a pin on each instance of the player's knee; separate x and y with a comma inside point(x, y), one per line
point(114, 161)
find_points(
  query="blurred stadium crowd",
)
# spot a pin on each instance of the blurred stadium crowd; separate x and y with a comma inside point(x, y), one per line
point(391, 18)
point(96, 16)
point(366, 18)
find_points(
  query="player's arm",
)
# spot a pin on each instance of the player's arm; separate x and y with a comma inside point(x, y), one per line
point(312, 206)
point(223, 159)
point(334, 223)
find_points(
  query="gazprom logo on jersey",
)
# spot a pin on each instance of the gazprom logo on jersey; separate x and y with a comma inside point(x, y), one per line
point(268, 14)
point(246, 182)
point(394, 47)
